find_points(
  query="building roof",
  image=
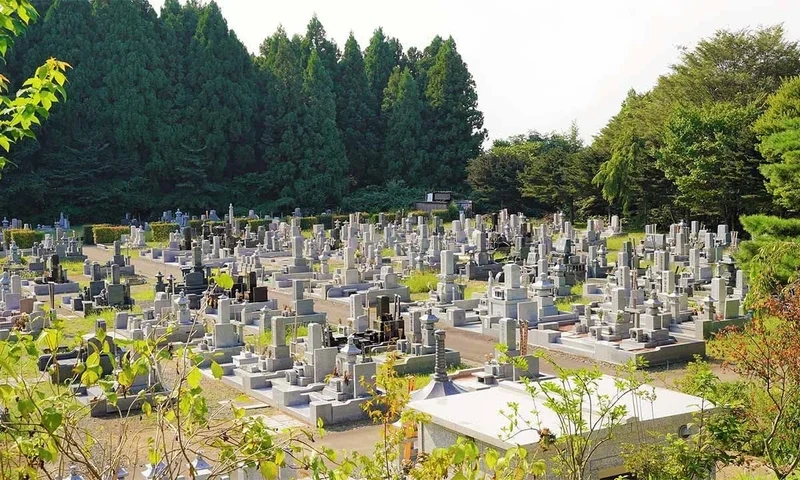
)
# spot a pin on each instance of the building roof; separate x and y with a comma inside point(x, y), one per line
point(478, 414)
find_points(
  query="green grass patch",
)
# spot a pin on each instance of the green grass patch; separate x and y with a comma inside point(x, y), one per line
point(73, 267)
point(614, 244)
point(143, 293)
point(420, 282)
point(576, 296)
point(474, 286)
point(422, 379)
point(387, 252)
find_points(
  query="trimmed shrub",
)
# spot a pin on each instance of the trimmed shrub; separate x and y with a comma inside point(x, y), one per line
point(161, 230)
point(257, 222)
point(109, 233)
point(326, 220)
point(196, 225)
point(25, 238)
point(88, 234)
point(307, 222)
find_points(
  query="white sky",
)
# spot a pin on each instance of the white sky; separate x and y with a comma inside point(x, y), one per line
point(538, 65)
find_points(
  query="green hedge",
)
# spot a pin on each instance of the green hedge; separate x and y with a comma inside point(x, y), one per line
point(25, 238)
point(108, 234)
point(387, 217)
point(771, 226)
point(196, 225)
point(88, 234)
point(161, 230)
point(257, 222)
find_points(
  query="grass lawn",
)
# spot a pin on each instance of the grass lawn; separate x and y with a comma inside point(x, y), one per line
point(614, 244)
point(143, 293)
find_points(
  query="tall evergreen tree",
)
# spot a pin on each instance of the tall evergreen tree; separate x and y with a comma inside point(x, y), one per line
point(355, 116)
point(316, 40)
point(455, 130)
point(320, 180)
point(171, 111)
point(380, 58)
point(282, 128)
point(403, 151)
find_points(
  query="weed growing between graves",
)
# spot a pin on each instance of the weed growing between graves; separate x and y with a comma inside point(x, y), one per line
point(420, 282)
point(422, 379)
point(575, 296)
point(262, 341)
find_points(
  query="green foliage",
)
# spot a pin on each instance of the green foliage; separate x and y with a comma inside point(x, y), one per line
point(778, 129)
point(394, 195)
point(454, 123)
point(759, 226)
point(356, 117)
point(307, 223)
point(88, 234)
point(709, 153)
point(109, 233)
point(257, 222)
point(161, 230)
point(204, 122)
point(494, 175)
point(25, 238)
point(420, 282)
point(404, 150)
point(698, 118)
point(555, 172)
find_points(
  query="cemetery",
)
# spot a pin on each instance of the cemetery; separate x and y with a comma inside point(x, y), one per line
point(660, 299)
point(225, 255)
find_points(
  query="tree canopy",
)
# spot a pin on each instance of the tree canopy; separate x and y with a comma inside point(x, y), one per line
point(171, 111)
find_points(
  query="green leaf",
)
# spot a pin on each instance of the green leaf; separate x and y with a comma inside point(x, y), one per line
point(280, 457)
point(491, 459)
point(269, 470)
point(147, 409)
point(216, 370)
point(51, 419)
point(194, 377)
point(26, 407)
point(224, 280)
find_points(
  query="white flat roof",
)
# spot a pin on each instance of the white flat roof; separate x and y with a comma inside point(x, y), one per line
point(478, 414)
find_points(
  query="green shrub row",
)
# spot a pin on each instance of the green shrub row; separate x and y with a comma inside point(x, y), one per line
point(25, 238)
point(161, 230)
point(257, 222)
point(109, 233)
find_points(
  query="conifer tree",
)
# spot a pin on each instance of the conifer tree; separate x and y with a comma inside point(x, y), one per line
point(323, 167)
point(355, 117)
point(455, 125)
point(403, 151)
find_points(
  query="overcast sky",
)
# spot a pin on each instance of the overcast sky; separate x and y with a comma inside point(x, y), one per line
point(538, 65)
